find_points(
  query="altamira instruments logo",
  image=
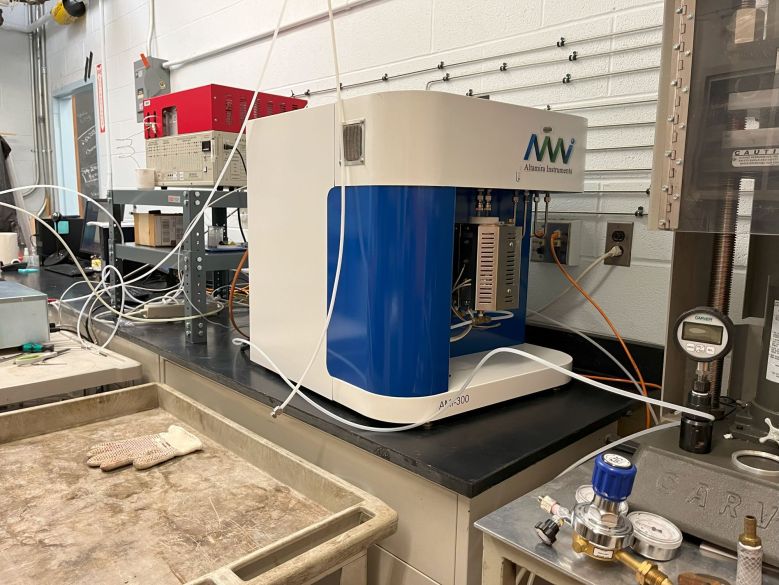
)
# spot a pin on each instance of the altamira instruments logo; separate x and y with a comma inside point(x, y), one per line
point(545, 150)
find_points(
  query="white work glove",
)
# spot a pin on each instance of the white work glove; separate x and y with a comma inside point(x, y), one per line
point(145, 451)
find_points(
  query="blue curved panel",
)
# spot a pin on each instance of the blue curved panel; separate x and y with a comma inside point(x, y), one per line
point(389, 333)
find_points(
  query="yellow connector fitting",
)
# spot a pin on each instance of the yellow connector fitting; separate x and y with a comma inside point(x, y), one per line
point(646, 573)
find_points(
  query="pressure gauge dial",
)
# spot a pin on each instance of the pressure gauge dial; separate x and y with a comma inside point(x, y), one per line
point(704, 334)
point(655, 537)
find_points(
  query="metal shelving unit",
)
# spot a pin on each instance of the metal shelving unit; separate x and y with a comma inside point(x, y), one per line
point(193, 258)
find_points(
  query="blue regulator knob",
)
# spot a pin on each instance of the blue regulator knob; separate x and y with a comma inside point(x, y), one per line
point(612, 477)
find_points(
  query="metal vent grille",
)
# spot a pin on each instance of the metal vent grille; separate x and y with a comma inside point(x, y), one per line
point(354, 143)
point(486, 267)
point(229, 110)
point(497, 267)
point(243, 108)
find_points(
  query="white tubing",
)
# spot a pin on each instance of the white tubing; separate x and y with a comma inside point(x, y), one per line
point(94, 290)
point(109, 174)
point(584, 273)
point(104, 285)
point(225, 168)
point(619, 442)
point(86, 198)
point(199, 215)
point(342, 229)
point(81, 315)
point(150, 36)
point(603, 350)
point(30, 27)
point(500, 316)
point(230, 156)
point(520, 575)
point(451, 400)
point(121, 307)
point(263, 35)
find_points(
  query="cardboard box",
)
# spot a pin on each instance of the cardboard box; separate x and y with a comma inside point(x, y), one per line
point(158, 229)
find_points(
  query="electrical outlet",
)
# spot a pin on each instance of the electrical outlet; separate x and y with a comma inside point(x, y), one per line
point(619, 234)
point(568, 244)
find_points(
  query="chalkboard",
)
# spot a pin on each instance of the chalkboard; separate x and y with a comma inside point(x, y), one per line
point(85, 136)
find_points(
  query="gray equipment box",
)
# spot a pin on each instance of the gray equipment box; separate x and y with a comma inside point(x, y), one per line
point(24, 316)
point(150, 82)
point(196, 159)
point(705, 495)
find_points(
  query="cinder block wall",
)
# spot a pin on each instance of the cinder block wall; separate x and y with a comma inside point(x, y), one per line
point(16, 123)
point(397, 36)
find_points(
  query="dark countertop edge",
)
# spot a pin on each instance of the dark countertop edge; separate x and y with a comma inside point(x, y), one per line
point(464, 487)
point(649, 356)
point(483, 484)
point(469, 488)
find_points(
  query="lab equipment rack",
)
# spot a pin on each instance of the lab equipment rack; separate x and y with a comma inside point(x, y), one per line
point(193, 258)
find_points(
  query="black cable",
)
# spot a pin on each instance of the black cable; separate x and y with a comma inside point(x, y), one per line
point(73, 331)
point(90, 326)
point(243, 162)
point(240, 227)
point(245, 170)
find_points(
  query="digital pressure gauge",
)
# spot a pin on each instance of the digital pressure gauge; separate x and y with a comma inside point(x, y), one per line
point(704, 334)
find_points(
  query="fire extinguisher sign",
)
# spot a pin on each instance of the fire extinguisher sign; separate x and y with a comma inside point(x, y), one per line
point(100, 98)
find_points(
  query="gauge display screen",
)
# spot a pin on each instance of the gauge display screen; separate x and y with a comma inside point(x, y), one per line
point(702, 333)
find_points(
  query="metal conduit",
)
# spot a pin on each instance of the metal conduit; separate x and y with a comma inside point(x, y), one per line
point(568, 79)
point(622, 125)
point(575, 56)
point(597, 106)
point(608, 171)
point(637, 213)
point(563, 42)
point(626, 147)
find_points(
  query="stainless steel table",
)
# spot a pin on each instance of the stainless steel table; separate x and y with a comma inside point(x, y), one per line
point(511, 547)
point(76, 370)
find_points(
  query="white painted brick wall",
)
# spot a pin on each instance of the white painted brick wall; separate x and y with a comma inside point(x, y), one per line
point(15, 101)
point(396, 36)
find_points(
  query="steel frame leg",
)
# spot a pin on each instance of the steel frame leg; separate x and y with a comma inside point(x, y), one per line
point(193, 255)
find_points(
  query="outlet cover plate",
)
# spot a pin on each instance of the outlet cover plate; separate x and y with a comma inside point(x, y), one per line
point(619, 234)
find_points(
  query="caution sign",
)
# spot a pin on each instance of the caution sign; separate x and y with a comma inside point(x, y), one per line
point(756, 157)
